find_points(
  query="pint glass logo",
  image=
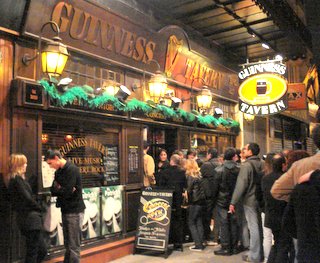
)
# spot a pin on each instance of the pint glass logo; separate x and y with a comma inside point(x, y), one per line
point(156, 211)
point(263, 94)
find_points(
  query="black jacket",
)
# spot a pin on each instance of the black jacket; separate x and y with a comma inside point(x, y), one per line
point(225, 182)
point(302, 219)
point(28, 210)
point(208, 174)
point(273, 208)
point(174, 178)
point(70, 200)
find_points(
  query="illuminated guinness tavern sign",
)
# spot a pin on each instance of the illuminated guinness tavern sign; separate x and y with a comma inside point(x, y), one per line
point(262, 93)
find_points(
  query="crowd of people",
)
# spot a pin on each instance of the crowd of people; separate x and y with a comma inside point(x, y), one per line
point(268, 206)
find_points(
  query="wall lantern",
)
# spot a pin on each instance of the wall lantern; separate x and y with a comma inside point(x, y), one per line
point(248, 117)
point(110, 87)
point(44, 138)
point(204, 98)
point(54, 55)
point(157, 84)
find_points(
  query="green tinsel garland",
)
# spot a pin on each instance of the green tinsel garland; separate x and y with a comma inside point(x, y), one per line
point(168, 112)
point(86, 93)
point(135, 104)
point(106, 98)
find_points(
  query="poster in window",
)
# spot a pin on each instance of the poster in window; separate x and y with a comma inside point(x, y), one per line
point(47, 174)
point(112, 215)
point(53, 224)
point(91, 218)
point(111, 164)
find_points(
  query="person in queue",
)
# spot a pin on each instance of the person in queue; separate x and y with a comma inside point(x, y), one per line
point(175, 178)
point(29, 218)
point(67, 187)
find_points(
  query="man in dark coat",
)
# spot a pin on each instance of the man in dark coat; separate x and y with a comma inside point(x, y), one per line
point(226, 179)
point(302, 218)
point(273, 213)
point(208, 172)
point(67, 186)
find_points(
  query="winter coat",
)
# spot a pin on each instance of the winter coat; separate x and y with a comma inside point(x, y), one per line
point(28, 210)
point(274, 209)
point(225, 180)
point(302, 219)
point(208, 173)
point(245, 189)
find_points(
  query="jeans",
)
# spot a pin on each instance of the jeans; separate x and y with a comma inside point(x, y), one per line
point(255, 228)
point(195, 224)
point(71, 224)
point(267, 238)
point(228, 228)
point(206, 219)
point(36, 248)
point(242, 226)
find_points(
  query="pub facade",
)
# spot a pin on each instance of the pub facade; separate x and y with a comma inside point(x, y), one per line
point(101, 108)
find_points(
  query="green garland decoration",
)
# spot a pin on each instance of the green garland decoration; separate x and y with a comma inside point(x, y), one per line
point(106, 98)
point(186, 115)
point(207, 120)
point(135, 104)
point(86, 94)
point(168, 112)
point(71, 94)
point(50, 89)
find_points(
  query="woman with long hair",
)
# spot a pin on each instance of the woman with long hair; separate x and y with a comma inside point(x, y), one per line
point(28, 210)
point(162, 165)
point(196, 202)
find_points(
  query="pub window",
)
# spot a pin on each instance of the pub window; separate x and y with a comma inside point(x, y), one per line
point(83, 72)
point(228, 108)
point(95, 150)
point(202, 142)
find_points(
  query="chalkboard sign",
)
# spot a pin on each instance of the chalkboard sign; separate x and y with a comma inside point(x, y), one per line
point(111, 164)
point(154, 221)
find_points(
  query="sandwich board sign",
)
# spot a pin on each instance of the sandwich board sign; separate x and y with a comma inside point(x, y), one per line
point(154, 221)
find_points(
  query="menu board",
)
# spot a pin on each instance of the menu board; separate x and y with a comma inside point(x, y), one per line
point(154, 220)
point(111, 164)
point(133, 159)
point(112, 203)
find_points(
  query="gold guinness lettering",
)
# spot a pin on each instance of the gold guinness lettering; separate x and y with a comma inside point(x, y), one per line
point(82, 25)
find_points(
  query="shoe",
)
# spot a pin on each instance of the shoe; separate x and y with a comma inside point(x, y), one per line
point(178, 248)
point(235, 251)
point(241, 248)
point(246, 258)
point(223, 252)
point(212, 243)
point(195, 248)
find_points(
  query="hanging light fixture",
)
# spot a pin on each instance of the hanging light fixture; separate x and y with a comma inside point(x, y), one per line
point(157, 84)
point(204, 98)
point(54, 55)
point(248, 117)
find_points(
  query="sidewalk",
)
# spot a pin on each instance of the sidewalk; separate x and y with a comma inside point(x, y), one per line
point(205, 256)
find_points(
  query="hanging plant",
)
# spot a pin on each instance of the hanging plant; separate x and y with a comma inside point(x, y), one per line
point(71, 94)
point(223, 122)
point(50, 89)
point(207, 120)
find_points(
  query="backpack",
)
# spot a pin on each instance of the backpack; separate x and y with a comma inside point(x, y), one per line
point(197, 193)
point(257, 179)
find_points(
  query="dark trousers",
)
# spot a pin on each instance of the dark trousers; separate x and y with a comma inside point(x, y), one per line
point(206, 219)
point(195, 224)
point(279, 252)
point(36, 248)
point(228, 228)
point(176, 227)
point(71, 234)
